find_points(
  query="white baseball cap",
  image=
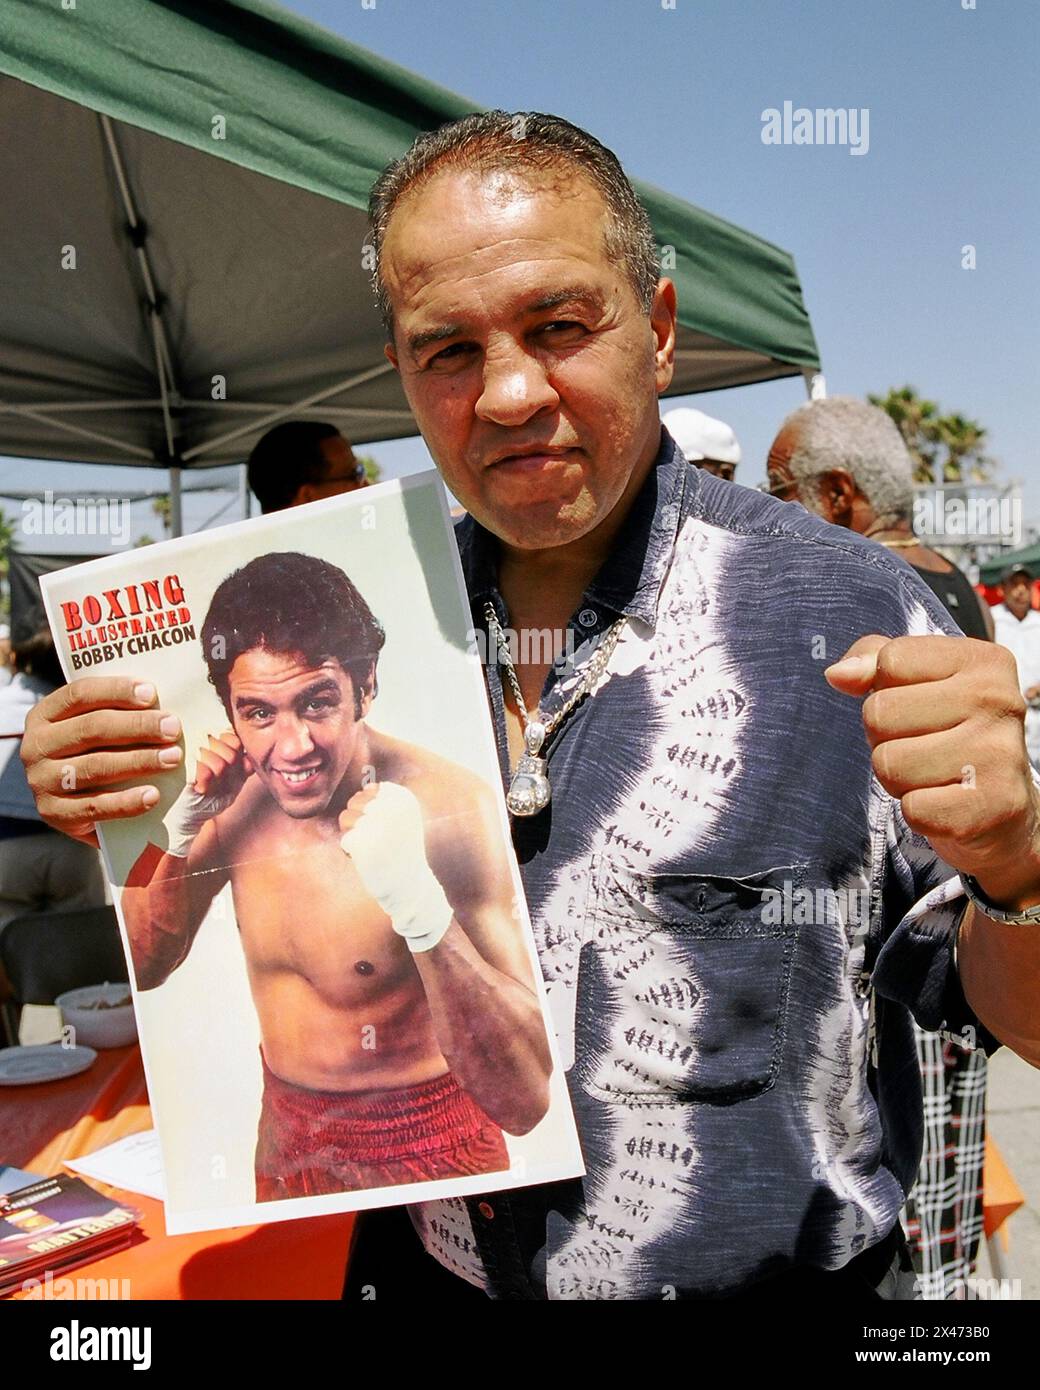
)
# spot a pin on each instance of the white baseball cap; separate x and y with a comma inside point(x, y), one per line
point(701, 436)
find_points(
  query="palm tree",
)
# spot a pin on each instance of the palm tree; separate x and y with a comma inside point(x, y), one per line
point(161, 508)
point(965, 459)
point(7, 532)
point(373, 471)
point(6, 539)
point(918, 424)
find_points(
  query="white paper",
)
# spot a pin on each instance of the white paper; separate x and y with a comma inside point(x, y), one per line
point(133, 1164)
point(39, 1023)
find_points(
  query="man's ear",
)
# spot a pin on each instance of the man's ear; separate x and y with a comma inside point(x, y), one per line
point(662, 321)
point(304, 493)
point(367, 693)
point(390, 353)
point(838, 493)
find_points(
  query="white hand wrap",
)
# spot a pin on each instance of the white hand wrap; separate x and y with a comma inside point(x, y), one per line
point(188, 814)
point(388, 848)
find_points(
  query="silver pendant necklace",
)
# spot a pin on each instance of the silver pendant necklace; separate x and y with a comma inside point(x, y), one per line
point(529, 789)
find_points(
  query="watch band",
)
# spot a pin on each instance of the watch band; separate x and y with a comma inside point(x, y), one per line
point(1028, 917)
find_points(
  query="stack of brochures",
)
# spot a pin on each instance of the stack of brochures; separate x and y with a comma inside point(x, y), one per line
point(56, 1223)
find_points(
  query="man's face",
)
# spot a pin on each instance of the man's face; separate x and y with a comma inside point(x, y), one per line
point(341, 472)
point(718, 469)
point(1017, 595)
point(778, 467)
point(531, 369)
point(297, 726)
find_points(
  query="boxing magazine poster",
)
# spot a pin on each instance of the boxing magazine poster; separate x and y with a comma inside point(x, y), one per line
point(337, 992)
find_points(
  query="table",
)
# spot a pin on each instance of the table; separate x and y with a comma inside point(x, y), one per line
point(42, 1125)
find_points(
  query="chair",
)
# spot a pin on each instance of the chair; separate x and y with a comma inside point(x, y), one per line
point(46, 953)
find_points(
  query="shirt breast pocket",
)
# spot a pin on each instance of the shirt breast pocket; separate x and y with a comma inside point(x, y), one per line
point(683, 985)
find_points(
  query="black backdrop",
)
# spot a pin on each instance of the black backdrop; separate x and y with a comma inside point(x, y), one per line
point(27, 615)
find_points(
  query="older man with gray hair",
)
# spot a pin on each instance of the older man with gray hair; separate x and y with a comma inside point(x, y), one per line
point(846, 461)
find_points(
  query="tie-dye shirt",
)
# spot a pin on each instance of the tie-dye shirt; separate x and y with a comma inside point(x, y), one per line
point(716, 880)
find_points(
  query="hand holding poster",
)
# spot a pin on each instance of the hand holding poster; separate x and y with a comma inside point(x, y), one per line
point(338, 996)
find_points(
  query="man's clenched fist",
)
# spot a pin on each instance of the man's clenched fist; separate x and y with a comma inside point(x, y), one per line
point(945, 720)
point(219, 777)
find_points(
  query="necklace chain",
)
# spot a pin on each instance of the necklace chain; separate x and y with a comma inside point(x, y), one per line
point(597, 665)
point(902, 543)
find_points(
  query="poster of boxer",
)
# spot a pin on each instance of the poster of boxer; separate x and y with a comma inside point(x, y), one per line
point(336, 986)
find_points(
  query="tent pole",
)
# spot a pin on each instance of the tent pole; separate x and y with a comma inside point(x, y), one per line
point(263, 407)
point(138, 234)
point(84, 434)
point(243, 490)
point(284, 411)
point(815, 384)
point(57, 407)
point(176, 524)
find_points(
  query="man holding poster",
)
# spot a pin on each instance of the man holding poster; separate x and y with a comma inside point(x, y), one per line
point(744, 1087)
point(400, 1029)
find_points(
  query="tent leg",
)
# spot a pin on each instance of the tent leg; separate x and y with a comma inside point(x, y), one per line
point(244, 495)
point(176, 521)
point(815, 385)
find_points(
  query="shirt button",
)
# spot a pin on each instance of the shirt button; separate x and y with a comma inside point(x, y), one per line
point(486, 1210)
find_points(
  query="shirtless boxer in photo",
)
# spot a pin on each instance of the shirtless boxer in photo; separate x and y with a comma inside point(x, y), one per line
point(400, 1029)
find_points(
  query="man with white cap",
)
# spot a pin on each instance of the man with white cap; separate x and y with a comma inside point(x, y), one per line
point(705, 441)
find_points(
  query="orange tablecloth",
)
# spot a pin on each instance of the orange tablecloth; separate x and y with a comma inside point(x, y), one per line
point(40, 1126)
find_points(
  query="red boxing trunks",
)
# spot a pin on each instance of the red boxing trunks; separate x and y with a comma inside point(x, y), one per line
point(311, 1142)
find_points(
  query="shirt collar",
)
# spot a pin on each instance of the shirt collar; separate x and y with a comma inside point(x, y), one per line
point(1031, 616)
point(630, 579)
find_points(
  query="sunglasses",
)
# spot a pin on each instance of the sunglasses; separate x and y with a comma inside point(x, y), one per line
point(356, 475)
point(781, 490)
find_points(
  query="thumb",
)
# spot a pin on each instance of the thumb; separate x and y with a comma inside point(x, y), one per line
point(855, 673)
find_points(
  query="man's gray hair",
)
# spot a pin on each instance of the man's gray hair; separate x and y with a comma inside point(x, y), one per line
point(843, 432)
point(528, 142)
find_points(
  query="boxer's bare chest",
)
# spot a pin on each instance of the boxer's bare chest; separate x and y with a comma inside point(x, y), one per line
point(301, 908)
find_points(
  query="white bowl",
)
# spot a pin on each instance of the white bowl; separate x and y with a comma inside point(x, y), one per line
point(94, 1027)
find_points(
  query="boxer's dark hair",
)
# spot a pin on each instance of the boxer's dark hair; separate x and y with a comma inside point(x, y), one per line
point(297, 605)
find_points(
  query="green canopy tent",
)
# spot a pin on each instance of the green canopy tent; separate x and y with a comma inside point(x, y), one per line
point(992, 571)
point(182, 235)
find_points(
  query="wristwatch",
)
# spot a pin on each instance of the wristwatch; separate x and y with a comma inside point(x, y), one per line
point(1028, 917)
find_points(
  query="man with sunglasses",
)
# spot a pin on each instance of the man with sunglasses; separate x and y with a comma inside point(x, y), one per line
point(302, 461)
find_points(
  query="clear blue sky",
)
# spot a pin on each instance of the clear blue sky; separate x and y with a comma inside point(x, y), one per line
point(678, 94)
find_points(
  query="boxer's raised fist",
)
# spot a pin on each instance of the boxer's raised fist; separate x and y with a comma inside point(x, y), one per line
point(382, 831)
point(220, 775)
